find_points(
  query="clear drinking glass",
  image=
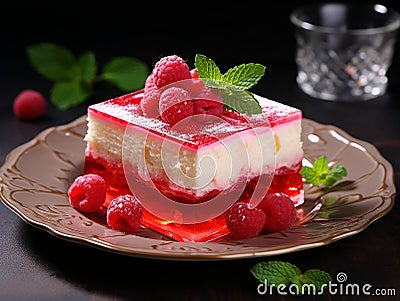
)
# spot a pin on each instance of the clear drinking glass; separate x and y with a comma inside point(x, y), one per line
point(344, 50)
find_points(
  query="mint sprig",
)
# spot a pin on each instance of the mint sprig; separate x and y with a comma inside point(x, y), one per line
point(233, 84)
point(281, 273)
point(321, 174)
point(74, 78)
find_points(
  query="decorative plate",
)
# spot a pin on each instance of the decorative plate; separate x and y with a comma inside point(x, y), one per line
point(35, 177)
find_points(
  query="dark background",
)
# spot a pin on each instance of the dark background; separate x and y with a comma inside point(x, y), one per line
point(34, 265)
point(229, 33)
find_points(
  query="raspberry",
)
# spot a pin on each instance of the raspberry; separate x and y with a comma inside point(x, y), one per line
point(194, 73)
point(208, 102)
point(149, 102)
point(87, 193)
point(280, 212)
point(244, 221)
point(125, 214)
point(193, 86)
point(170, 69)
point(175, 105)
point(29, 105)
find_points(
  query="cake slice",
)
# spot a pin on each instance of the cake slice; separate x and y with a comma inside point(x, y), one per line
point(132, 151)
point(188, 173)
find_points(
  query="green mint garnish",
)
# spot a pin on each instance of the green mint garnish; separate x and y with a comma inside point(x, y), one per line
point(66, 94)
point(206, 67)
point(315, 277)
point(126, 73)
point(321, 174)
point(275, 272)
point(280, 273)
point(75, 77)
point(233, 84)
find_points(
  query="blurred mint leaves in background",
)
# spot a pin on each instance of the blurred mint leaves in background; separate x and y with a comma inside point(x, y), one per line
point(74, 77)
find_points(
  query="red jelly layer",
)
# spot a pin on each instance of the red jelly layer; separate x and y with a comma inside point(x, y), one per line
point(285, 180)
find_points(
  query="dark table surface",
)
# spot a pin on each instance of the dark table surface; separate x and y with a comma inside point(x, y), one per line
point(36, 265)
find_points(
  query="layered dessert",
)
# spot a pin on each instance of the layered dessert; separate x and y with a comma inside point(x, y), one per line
point(188, 171)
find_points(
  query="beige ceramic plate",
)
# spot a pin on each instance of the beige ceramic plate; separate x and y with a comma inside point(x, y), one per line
point(35, 177)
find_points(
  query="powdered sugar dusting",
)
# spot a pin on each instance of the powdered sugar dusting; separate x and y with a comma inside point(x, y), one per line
point(194, 131)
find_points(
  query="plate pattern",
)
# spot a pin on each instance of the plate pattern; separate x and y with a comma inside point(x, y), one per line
point(35, 177)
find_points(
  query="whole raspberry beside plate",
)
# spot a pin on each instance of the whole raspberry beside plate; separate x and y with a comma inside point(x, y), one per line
point(125, 214)
point(29, 104)
point(244, 221)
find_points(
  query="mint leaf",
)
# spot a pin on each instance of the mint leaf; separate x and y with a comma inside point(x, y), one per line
point(52, 61)
point(74, 77)
point(244, 76)
point(126, 73)
point(309, 174)
point(206, 67)
point(65, 95)
point(278, 273)
point(320, 166)
point(240, 101)
point(87, 67)
point(232, 83)
point(321, 174)
point(275, 272)
point(316, 277)
point(336, 173)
